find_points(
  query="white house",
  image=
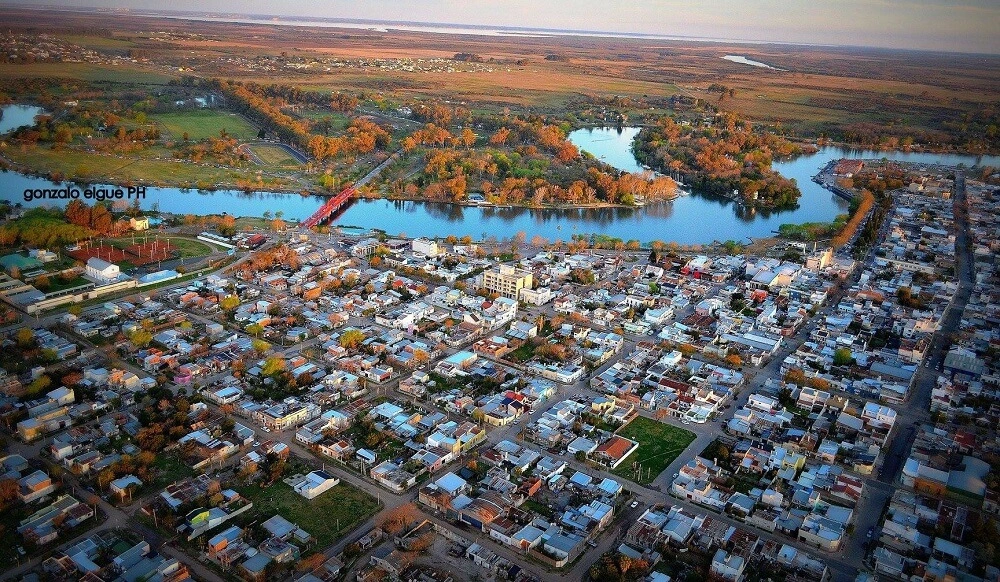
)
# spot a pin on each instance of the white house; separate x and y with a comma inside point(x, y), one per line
point(101, 270)
point(314, 484)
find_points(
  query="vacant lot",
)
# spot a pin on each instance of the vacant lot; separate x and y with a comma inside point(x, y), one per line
point(659, 445)
point(344, 506)
point(203, 123)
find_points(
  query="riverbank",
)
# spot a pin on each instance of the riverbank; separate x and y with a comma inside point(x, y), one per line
point(687, 220)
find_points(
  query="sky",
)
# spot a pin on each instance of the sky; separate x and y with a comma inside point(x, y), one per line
point(949, 25)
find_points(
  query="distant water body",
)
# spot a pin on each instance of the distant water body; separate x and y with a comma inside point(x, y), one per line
point(384, 26)
point(745, 61)
point(15, 116)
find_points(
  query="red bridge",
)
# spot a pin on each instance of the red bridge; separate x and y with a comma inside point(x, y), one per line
point(329, 207)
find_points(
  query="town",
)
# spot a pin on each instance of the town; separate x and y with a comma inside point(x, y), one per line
point(349, 405)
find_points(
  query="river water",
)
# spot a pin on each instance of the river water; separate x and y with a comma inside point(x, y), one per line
point(15, 116)
point(690, 219)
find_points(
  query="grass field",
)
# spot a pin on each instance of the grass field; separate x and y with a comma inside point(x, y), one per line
point(77, 164)
point(659, 445)
point(342, 505)
point(169, 469)
point(202, 123)
point(85, 71)
point(273, 155)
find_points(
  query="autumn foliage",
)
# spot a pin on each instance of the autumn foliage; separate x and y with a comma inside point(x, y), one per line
point(864, 207)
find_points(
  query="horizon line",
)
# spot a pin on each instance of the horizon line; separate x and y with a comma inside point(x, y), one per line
point(269, 19)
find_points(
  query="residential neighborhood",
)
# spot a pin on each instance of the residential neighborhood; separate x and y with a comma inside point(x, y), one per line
point(356, 406)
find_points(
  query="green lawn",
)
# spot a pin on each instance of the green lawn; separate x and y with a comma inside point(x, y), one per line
point(523, 353)
point(202, 123)
point(77, 164)
point(659, 445)
point(57, 283)
point(169, 469)
point(273, 155)
point(342, 505)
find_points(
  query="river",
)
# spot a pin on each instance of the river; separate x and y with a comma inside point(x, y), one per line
point(687, 220)
point(15, 116)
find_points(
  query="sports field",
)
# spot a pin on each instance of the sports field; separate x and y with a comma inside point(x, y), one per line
point(202, 123)
point(273, 155)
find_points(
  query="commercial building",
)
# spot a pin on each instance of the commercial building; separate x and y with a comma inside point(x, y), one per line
point(506, 281)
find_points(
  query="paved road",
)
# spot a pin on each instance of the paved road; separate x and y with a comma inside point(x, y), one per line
point(117, 518)
point(916, 409)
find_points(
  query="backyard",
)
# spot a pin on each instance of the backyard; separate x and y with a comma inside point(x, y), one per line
point(659, 445)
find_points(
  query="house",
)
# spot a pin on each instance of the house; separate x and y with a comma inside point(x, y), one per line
point(390, 559)
point(120, 485)
point(101, 270)
point(221, 541)
point(506, 281)
point(392, 476)
point(255, 568)
point(314, 484)
point(615, 450)
point(728, 566)
point(426, 247)
point(34, 486)
point(281, 528)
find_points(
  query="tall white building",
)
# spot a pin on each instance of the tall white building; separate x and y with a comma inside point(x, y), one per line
point(425, 246)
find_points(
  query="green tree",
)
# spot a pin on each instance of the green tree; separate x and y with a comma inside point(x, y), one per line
point(260, 346)
point(351, 339)
point(229, 302)
point(25, 337)
point(140, 338)
point(273, 365)
point(38, 385)
point(842, 357)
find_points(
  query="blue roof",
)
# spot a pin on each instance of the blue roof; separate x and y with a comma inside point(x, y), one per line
point(257, 563)
point(450, 483)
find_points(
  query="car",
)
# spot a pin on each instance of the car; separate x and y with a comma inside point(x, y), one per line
point(676, 475)
point(592, 543)
point(634, 504)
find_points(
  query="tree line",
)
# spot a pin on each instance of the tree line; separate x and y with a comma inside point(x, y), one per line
point(729, 154)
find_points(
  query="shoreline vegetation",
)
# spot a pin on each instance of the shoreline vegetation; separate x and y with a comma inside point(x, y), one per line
point(134, 112)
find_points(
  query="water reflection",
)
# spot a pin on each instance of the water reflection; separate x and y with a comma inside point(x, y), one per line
point(687, 220)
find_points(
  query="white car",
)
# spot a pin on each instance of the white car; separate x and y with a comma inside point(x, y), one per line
point(634, 504)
